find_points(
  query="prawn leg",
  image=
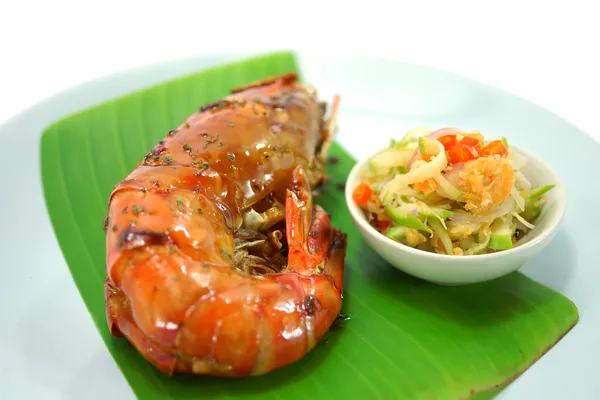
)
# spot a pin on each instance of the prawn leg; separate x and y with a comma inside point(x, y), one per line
point(308, 229)
point(317, 252)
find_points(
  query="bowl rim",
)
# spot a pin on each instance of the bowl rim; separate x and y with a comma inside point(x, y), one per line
point(556, 217)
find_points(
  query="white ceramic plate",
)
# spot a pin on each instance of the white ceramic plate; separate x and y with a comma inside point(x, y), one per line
point(49, 347)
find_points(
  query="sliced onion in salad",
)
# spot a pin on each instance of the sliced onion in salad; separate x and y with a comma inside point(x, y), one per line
point(518, 198)
point(517, 160)
point(452, 173)
point(489, 217)
point(434, 135)
point(442, 234)
point(418, 174)
point(417, 164)
point(522, 182)
point(477, 247)
point(523, 221)
point(447, 189)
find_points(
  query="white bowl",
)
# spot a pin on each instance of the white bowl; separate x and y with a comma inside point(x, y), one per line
point(459, 270)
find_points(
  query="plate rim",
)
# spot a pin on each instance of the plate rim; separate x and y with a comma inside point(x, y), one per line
point(91, 83)
point(149, 66)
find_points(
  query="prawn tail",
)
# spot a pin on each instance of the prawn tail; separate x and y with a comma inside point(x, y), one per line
point(316, 252)
point(307, 228)
point(315, 247)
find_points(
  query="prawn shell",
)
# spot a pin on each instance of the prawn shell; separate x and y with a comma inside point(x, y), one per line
point(172, 289)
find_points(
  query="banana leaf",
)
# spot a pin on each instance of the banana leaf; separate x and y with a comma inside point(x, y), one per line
point(403, 338)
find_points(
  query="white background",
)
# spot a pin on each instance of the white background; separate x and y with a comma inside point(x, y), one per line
point(546, 53)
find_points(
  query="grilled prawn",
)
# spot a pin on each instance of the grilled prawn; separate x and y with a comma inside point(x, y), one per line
point(218, 262)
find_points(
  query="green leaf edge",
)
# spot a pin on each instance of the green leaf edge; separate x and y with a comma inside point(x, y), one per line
point(48, 140)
